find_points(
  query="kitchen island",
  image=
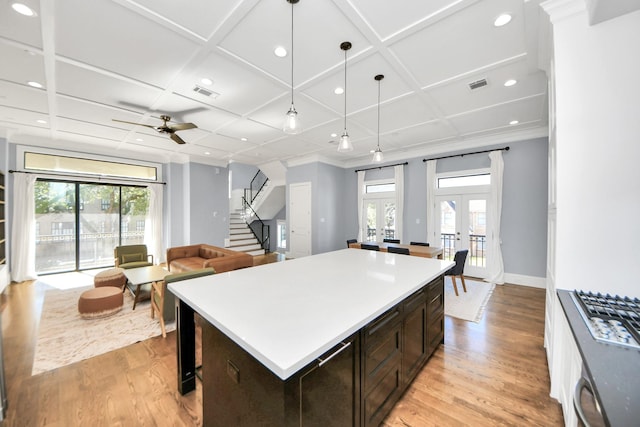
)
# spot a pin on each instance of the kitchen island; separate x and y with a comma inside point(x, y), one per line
point(330, 339)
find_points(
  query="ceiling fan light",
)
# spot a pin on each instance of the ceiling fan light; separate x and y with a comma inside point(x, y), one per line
point(378, 157)
point(292, 123)
point(345, 143)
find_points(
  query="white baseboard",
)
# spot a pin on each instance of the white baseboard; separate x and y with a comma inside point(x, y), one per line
point(521, 279)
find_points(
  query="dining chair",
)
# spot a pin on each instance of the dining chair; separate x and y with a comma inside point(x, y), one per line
point(391, 241)
point(396, 250)
point(350, 241)
point(163, 301)
point(369, 247)
point(457, 270)
point(419, 243)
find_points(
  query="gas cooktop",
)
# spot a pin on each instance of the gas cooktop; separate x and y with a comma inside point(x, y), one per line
point(610, 319)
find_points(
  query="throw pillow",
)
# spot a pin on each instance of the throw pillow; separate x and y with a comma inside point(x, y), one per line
point(126, 258)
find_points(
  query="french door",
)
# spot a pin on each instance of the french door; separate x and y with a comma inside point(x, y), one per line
point(379, 219)
point(462, 222)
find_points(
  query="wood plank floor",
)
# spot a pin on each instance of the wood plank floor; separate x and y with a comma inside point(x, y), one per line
point(490, 373)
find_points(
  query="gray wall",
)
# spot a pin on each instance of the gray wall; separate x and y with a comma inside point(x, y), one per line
point(208, 207)
point(524, 201)
point(273, 228)
point(241, 175)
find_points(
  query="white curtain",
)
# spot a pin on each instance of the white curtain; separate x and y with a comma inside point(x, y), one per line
point(399, 178)
point(360, 191)
point(495, 266)
point(432, 238)
point(153, 229)
point(23, 229)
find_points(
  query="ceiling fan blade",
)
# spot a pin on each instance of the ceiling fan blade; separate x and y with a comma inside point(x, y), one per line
point(176, 138)
point(133, 123)
point(183, 126)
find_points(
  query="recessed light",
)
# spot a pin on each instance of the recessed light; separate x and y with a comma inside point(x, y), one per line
point(280, 52)
point(514, 122)
point(206, 153)
point(243, 139)
point(510, 82)
point(501, 20)
point(23, 9)
point(44, 122)
point(139, 139)
point(34, 84)
point(333, 135)
point(338, 91)
point(206, 81)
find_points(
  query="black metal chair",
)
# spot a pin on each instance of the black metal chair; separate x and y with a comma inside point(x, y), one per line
point(369, 247)
point(350, 241)
point(391, 240)
point(419, 243)
point(396, 250)
point(457, 270)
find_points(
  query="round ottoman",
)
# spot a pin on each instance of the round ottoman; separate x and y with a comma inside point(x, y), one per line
point(111, 277)
point(100, 302)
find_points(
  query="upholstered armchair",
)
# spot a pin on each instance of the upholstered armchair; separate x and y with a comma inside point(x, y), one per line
point(132, 256)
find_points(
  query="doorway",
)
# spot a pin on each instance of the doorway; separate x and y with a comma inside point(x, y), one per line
point(300, 219)
point(379, 219)
point(462, 222)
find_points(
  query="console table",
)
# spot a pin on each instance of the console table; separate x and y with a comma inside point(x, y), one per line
point(329, 339)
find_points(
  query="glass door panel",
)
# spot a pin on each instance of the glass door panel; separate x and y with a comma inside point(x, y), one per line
point(449, 227)
point(380, 220)
point(135, 203)
point(371, 220)
point(55, 206)
point(99, 224)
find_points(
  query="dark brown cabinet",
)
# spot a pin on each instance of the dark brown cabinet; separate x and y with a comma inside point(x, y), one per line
point(354, 384)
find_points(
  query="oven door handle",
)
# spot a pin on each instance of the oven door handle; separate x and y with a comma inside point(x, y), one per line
point(580, 385)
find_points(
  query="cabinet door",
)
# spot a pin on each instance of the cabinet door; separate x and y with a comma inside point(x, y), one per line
point(435, 315)
point(382, 366)
point(329, 392)
point(414, 335)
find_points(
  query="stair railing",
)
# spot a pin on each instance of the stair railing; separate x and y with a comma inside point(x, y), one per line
point(257, 184)
point(259, 229)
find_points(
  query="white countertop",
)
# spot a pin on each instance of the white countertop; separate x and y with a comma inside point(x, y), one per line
point(287, 314)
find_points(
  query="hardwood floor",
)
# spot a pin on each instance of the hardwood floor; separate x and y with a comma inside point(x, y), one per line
point(490, 373)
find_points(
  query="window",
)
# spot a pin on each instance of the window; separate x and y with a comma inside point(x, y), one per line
point(464, 180)
point(281, 234)
point(105, 204)
point(380, 188)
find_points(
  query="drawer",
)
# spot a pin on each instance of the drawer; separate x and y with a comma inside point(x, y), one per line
point(381, 326)
point(381, 355)
point(379, 400)
point(435, 333)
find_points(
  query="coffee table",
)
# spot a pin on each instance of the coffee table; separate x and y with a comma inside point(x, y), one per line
point(136, 277)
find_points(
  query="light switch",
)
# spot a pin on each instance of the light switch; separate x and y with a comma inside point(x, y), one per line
point(417, 220)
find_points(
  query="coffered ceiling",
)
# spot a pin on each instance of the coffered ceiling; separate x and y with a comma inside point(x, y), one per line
point(100, 60)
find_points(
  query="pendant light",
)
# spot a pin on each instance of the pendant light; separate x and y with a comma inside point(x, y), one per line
point(345, 142)
point(377, 155)
point(292, 123)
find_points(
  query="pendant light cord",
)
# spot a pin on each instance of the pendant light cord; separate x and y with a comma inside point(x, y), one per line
point(292, 53)
point(379, 113)
point(345, 90)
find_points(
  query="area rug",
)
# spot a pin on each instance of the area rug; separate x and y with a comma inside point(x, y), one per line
point(468, 305)
point(65, 338)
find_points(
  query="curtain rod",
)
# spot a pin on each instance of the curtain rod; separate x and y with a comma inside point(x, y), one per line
point(467, 154)
point(380, 167)
point(94, 177)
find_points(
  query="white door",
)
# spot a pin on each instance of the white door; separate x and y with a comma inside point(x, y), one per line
point(379, 220)
point(462, 221)
point(300, 219)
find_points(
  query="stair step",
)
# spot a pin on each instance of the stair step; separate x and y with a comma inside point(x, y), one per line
point(254, 253)
point(238, 226)
point(241, 236)
point(238, 232)
point(245, 248)
point(242, 242)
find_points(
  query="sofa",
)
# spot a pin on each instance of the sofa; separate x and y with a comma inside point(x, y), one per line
point(196, 257)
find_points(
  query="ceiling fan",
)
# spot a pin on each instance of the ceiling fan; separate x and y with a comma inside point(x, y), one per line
point(164, 128)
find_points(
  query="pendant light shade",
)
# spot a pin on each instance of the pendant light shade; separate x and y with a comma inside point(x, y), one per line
point(292, 123)
point(345, 142)
point(377, 155)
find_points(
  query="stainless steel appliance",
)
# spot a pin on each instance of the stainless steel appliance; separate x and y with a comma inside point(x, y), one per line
point(610, 319)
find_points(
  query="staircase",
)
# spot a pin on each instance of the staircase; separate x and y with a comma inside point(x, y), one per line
point(241, 238)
